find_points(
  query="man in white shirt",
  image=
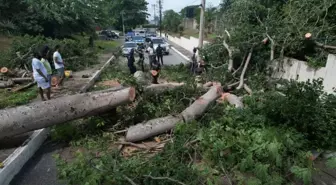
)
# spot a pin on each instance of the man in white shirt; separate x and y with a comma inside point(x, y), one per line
point(40, 76)
point(59, 65)
point(151, 54)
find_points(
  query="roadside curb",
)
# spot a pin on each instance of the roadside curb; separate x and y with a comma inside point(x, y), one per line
point(16, 160)
point(182, 55)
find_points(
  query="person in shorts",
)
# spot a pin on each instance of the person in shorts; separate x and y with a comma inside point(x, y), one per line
point(40, 76)
point(59, 65)
point(45, 52)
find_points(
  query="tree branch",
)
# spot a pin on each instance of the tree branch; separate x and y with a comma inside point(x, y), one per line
point(241, 84)
point(129, 180)
point(230, 55)
point(165, 178)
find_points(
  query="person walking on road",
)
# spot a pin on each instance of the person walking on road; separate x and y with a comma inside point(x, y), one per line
point(159, 54)
point(40, 76)
point(59, 65)
point(131, 61)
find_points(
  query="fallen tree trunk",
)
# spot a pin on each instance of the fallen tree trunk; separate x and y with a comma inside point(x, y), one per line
point(159, 88)
point(160, 125)
point(6, 84)
point(96, 76)
point(24, 87)
point(39, 115)
point(22, 80)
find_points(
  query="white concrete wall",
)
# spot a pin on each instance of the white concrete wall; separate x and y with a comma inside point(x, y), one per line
point(291, 68)
point(186, 43)
point(299, 70)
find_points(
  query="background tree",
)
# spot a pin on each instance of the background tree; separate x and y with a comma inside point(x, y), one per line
point(171, 21)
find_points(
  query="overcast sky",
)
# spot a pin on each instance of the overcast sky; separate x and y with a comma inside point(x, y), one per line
point(177, 5)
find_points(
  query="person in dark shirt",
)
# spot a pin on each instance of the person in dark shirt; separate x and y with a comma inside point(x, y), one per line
point(159, 53)
point(131, 61)
point(155, 70)
point(140, 51)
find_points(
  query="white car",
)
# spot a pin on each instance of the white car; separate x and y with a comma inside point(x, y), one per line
point(157, 40)
point(126, 48)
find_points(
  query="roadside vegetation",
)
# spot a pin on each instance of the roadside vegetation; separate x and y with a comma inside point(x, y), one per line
point(273, 140)
point(279, 137)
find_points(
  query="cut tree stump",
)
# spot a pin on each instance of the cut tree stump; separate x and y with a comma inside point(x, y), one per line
point(158, 126)
point(38, 115)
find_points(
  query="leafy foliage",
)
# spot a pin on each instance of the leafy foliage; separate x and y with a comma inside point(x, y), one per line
point(76, 53)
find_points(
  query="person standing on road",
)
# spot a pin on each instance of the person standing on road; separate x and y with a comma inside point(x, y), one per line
point(151, 54)
point(159, 54)
point(131, 61)
point(40, 76)
point(59, 65)
point(45, 62)
point(141, 57)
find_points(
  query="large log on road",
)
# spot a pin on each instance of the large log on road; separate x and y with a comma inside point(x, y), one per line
point(160, 125)
point(39, 115)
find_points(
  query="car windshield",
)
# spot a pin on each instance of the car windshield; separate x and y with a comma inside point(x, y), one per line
point(157, 41)
point(130, 45)
point(138, 38)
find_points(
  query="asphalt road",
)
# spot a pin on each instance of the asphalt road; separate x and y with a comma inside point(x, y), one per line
point(41, 168)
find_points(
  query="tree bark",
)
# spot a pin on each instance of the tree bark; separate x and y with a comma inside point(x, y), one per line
point(22, 80)
point(158, 126)
point(159, 88)
point(6, 84)
point(196, 109)
point(39, 115)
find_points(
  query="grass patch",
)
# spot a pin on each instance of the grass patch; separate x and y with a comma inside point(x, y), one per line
point(10, 99)
point(107, 46)
point(5, 42)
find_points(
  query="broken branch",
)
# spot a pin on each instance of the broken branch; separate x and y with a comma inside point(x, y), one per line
point(165, 178)
point(241, 84)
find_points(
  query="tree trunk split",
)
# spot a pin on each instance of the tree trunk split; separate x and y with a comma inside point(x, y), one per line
point(39, 115)
point(160, 125)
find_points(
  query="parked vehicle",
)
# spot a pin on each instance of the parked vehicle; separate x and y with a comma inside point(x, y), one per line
point(157, 40)
point(129, 35)
point(109, 34)
point(140, 32)
point(138, 39)
point(126, 48)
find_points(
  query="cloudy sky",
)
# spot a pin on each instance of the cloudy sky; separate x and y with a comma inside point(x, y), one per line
point(177, 5)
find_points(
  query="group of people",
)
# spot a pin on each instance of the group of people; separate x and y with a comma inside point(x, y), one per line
point(42, 70)
point(155, 60)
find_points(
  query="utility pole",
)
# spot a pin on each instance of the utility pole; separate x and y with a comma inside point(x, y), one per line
point(201, 29)
point(160, 14)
